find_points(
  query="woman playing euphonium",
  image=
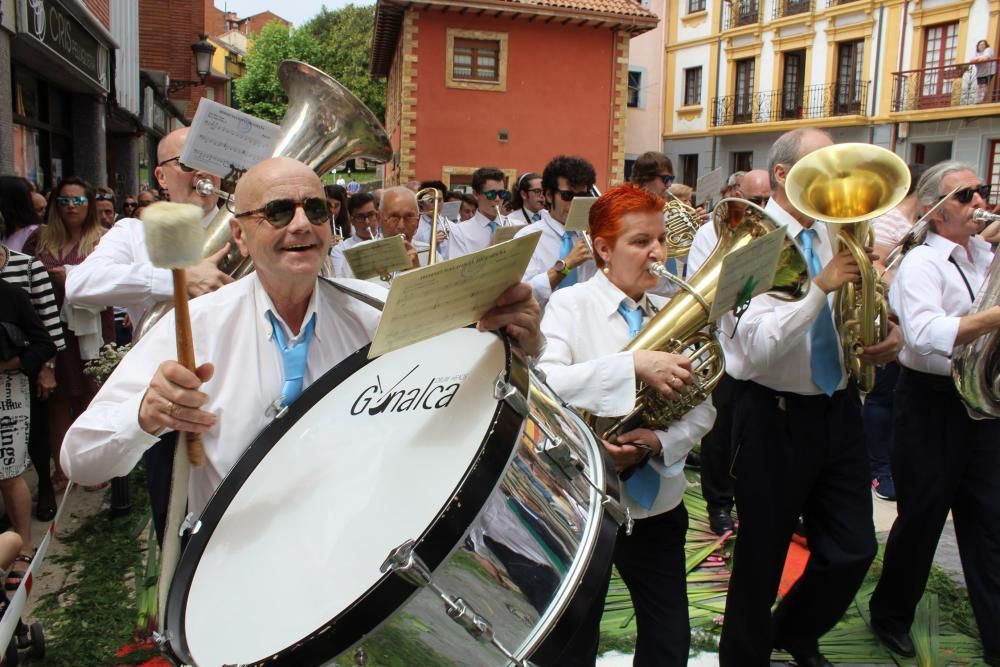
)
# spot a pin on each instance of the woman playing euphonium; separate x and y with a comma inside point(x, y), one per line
point(586, 327)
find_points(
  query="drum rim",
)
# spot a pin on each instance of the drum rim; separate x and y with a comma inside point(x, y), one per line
point(390, 592)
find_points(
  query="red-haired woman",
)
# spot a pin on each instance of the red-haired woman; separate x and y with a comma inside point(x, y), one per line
point(586, 328)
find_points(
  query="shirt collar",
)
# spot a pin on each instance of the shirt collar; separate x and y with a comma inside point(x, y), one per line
point(981, 253)
point(484, 221)
point(265, 307)
point(792, 226)
point(611, 297)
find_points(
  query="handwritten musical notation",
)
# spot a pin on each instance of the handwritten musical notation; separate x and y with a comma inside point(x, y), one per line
point(747, 272)
point(434, 299)
point(378, 258)
point(222, 138)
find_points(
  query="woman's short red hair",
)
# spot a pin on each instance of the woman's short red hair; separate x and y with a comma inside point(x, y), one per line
point(607, 212)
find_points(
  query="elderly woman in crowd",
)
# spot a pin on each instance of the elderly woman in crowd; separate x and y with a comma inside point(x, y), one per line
point(71, 234)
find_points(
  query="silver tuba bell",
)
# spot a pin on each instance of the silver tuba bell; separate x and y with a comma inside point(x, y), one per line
point(324, 126)
point(975, 366)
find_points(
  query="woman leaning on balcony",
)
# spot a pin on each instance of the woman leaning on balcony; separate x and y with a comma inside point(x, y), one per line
point(986, 67)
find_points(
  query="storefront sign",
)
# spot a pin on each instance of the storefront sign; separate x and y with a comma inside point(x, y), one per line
point(50, 24)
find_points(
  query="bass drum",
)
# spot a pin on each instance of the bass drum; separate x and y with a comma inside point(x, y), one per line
point(451, 453)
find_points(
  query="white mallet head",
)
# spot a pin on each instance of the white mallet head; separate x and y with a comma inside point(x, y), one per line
point(174, 235)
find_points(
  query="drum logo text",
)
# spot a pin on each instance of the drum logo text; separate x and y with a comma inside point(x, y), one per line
point(437, 394)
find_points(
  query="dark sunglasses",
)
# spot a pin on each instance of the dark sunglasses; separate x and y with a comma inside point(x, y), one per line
point(493, 194)
point(759, 201)
point(279, 212)
point(129, 204)
point(568, 195)
point(78, 200)
point(186, 169)
point(964, 196)
point(668, 179)
point(100, 196)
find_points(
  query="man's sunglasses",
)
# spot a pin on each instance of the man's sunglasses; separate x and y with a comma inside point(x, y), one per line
point(668, 179)
point(493, 194)
point(186, 169)
point(759, 201)
point(101, 196)
point(964, 196)
point(568, 195)
point(78, 200)
point(129, 204)
point(279, 212)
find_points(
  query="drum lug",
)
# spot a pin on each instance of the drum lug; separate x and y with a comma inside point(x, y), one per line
point(506, 391)
point(561, 454)
point(618, 513)
point(404, 561)
point(189, 524)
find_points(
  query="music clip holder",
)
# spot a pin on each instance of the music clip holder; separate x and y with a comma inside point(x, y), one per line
point(229, 180)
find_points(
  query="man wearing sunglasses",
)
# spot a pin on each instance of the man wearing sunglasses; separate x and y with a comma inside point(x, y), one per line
point(561, 258)
point(529, 200)
point(943, 460)
point(104, 202)
point(246, 336)
point(477, 233)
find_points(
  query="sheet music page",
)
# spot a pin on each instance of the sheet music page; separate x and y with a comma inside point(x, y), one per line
point(434, 299)
point(747, 272)
point(505, 233)
point(222, 137)
point(378, 258)
point(450, 210)
point(578, 219)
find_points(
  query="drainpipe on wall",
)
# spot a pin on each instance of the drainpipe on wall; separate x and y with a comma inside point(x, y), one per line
point(878, 63)
point(718, 70)
point(899, 68)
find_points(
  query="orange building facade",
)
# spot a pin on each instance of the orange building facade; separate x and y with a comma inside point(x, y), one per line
point(504, 84)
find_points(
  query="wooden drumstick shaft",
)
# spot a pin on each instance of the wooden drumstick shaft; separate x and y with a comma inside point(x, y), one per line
point(185, 354)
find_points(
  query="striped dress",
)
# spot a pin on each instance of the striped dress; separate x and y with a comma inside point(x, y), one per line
point(28, 273)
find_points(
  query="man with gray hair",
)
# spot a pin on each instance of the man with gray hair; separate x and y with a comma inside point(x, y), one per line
point(942, 459)
point(797, 417)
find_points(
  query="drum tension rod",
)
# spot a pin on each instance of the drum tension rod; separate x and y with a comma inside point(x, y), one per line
point(404, 562)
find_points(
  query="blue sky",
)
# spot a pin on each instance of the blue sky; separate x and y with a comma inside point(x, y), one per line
point(296, 11)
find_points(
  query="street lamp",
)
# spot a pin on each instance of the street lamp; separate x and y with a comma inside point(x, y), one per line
point(203, 51)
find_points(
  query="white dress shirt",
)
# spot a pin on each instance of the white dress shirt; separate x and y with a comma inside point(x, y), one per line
point(517, 217)
point(118, 272)
point(337, 253)
point(422, 238)
point(705, 240)
point(546, 254)
point(929, 296)
point(772, 345)
point(472, 235)
point(584, 364)
point(232, 330)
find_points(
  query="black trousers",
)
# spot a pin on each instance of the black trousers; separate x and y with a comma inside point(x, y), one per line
point(942, 460)
point(717, 449)
point(795, 455)
point(159, 468)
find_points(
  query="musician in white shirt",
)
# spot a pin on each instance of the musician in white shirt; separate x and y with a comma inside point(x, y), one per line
point(528, 203)
point(282, 224)
point(477, 233)
point(422, 237)
point(561, 257)
point(800, 447)
point(364, 221)
point(943, 460)
point(587, 326)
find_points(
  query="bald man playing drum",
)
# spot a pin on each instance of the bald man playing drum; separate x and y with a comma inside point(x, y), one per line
point(247, 335)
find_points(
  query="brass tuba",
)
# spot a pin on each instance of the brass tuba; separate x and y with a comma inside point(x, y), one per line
point(680, 326)
point(848, 185)
point(325, 125)
point(975, 366)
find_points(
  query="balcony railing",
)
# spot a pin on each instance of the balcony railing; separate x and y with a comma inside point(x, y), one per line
point(837, 3)
point(791, 8)
point(822, 101)
point(957, 85)
point(739, 13)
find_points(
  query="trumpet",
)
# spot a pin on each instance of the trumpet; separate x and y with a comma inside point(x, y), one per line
point(848, 185)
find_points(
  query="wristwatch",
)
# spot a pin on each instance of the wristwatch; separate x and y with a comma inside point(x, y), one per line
point(50, 364)
point(561, 267)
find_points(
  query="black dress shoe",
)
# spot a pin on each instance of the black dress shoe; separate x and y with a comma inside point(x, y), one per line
point(721, 521)
point(897, 642)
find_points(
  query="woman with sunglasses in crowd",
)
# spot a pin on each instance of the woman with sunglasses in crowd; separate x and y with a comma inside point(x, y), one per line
point(71, 234)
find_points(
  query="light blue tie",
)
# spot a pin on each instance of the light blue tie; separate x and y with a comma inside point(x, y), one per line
point(644, 484)
point(293, 358)
point(825, 344)
point(535, 217)
point(493, 226)
point(672, 266)
point(565, 247)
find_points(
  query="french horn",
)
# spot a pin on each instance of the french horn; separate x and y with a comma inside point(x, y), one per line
point(324, 126)
point(847, 186)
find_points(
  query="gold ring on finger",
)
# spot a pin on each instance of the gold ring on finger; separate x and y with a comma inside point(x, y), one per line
point(170, 408)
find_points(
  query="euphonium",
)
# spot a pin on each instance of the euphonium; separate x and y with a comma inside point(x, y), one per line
point(680, 326)
point(681, 223)
point(975, 366)
point(848, 185)
point(325, 125)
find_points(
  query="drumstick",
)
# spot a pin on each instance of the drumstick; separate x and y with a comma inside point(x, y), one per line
point(174, 239)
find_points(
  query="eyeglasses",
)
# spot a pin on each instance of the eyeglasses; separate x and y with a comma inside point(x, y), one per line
point(186, 169)
point(364, 217)
point(535, 191)
point(668, 179)
point(964, 196)
point(101, 196)
point(406, 217)
point(759, 201)
point(493, 194)
point(279, 212)
point(568, 195)
point(78, 200)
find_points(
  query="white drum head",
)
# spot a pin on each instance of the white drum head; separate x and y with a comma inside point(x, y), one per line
point(369, 466)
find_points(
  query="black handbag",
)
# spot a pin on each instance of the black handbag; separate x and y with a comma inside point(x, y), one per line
point(12, 340)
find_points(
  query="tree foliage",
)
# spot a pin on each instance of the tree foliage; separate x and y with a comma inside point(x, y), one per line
point(336, 42)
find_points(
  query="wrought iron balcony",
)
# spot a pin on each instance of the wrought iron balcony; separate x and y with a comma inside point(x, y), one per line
point(948, 86)
point(837, 3)
point(790, 8)
point(821, 101)
point(738, 13)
